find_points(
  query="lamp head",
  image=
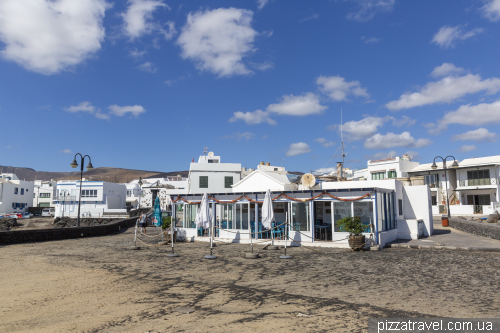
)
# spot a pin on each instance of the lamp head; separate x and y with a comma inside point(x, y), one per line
point(455, 164)
point(140, 181)
point(434, 166)
point(89, 166)
point(74, 164)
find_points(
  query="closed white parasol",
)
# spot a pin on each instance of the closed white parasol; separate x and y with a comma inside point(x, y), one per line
point(268, 211)
point(203, 216)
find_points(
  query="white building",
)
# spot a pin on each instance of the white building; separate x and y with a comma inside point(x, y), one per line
point(393, 210)
point(15, 195)
point(43, 193)
point(211, 175)
point(394, 167)
point(97, 198)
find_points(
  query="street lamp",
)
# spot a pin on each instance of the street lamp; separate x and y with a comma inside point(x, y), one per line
point(454, 166)
point(74, 164)
point(140, 194)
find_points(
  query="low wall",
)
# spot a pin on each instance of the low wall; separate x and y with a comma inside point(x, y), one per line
point(43, 235)
point(490, 230)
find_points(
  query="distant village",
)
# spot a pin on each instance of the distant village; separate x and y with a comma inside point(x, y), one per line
point(398, 197)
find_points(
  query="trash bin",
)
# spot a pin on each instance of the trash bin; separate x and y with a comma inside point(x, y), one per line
point(444, 221)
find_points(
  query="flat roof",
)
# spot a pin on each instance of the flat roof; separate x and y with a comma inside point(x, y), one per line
point(296, 191)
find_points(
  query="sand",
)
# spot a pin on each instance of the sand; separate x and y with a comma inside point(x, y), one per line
point(101, 285)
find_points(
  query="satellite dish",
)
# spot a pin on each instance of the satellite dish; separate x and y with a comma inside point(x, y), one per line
point(308, 180)
point(211, 154)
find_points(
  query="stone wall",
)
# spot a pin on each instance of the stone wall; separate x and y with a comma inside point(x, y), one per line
point(43, 235)
point(477, 228)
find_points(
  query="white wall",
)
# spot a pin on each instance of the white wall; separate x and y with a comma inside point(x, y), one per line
point(216, 181)
point(8, 196)
point(417, 205)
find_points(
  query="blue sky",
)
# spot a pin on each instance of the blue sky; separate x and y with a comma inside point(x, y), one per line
point(146, 84)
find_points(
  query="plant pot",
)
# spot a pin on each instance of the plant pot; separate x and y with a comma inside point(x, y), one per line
point(356, 242)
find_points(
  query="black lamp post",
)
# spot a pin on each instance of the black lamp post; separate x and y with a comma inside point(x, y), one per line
point(454, 166)
point(140, 195)
point(74, 164)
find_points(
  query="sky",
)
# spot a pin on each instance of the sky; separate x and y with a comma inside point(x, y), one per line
point(147, 84)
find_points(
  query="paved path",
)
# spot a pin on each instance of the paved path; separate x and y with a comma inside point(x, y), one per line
point(446, 236)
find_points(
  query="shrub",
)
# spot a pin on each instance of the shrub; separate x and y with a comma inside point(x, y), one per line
point(352, 225)
point(166, 222)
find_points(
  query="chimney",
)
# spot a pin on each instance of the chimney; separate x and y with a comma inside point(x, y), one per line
point(268, 164)
point(262, 163)
point(243, 169)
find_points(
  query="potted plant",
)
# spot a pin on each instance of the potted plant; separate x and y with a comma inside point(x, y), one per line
point(355, 228)
point(167, 221)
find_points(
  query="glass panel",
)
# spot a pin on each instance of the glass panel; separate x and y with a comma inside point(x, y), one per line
point(238, 216)
point(179, 217)
point(244, 216)
point(301, 217)
point(341, 209)
point(191, 211)
point(364, 210)
point(230, 216)
point(380, 211)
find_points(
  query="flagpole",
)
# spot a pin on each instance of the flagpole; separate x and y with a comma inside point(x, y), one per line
point(286, 237)
point(172, 221)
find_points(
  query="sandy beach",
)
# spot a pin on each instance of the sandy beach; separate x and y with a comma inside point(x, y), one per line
point(101, 285)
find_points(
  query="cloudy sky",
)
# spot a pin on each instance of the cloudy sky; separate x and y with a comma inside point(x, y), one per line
point(146, 84)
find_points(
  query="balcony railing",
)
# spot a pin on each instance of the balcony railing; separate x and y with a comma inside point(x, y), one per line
point(479, 182)
point(64, 198)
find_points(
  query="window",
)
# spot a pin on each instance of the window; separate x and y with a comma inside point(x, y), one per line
point(431, 180)
point(22, 191)
point(44, 195)
point(378, 175)
point(89, 193)
point(364, 210)
point(340, 210)
point(191, 211)
point(203, 181)
point(34, 195)
point(400, 206)
point(479, 177)
point(26, 190)
point(228, 181)
point(129, 193)
point(301, 216)
point(16, 190)
point(275, 169)
point(434, 200)
point(391, 174)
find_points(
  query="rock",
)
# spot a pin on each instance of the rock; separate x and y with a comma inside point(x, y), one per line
point(7, 223)
point(184, 309)
point(303, 315)
point(493, 218)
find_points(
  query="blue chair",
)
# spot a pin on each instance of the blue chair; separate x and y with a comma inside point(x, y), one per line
point(200, 231)
point(278, 232)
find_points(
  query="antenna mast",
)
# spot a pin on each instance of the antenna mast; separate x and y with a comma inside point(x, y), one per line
point(205, 149)
point(343, 153)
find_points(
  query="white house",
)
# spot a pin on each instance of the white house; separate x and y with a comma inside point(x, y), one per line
point(15, 195)
point(394, 211)
point(44, 192)
point(97, 198)
point(211, 175)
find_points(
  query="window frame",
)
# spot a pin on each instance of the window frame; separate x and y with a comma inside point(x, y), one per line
point(203, 182)
point(226, 178)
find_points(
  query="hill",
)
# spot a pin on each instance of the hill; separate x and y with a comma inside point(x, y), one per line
point(114, 175)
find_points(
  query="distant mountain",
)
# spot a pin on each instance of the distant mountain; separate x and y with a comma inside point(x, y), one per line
point(113, 175)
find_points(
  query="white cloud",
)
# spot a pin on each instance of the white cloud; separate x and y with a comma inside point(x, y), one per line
point(475, 115)
point(367, 9)
point(323, 171)
point(446, 69)
point(261, 3)
point(445, 90)
point(148, 67)
point(403, 121)
point(492, 10)
point(447, 36)
point(262, 66)
point(218, 40)
point(82, 107)
point(50, 36)
point(298, 149)
point(303, 105)
point(137, 20)
point(170, 30)
point(362, 129)
point(238, 136)
point(391, 140)
point(338, 89)
point(67, 151)
point(252, 118)
point(332, 127)
point(120, 111)
point(324, 142)
point(478, 135)
point(87, 107)
point(380, 155)
point(311, 17)
point(371, 40)
point(135, 53)
point(467, 148)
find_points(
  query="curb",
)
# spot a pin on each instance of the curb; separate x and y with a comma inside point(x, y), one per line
point(436, 247)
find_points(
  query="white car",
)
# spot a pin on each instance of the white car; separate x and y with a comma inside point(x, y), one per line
point(48, 212)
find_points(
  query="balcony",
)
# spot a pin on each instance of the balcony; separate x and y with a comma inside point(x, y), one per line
point(433, 184)
point(479, 182)
point(64, 198)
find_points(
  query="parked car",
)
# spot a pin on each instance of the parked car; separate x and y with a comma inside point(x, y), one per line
point(48, 212)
